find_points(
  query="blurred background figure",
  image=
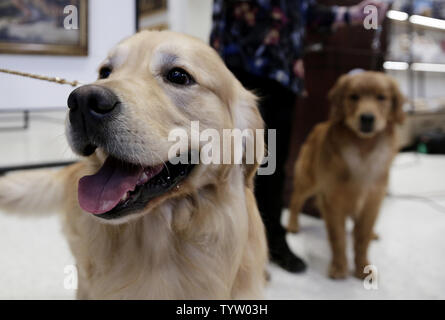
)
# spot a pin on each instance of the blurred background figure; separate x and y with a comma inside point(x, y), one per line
point(261, 41)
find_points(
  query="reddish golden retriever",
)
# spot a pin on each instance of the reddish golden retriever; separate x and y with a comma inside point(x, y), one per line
point(345, 163)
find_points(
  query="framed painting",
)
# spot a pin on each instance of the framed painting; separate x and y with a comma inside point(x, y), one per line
point(53, 27)
point(151, 14)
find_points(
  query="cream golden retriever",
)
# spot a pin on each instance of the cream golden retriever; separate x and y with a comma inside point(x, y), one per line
point(345, 163)
point(139, 226)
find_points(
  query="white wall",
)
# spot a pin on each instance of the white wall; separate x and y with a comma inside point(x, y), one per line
point(109, 21)
point(191, 16)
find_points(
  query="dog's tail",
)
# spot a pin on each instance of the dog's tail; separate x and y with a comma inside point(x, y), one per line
point(33, 192)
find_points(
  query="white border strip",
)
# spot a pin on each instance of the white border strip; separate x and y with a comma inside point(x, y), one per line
point(397, 15)
point(428, 22)
point(394, 65)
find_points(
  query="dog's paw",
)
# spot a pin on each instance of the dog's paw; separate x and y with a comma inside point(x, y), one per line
point(293, 228)
point(359, 274)
point(338, 271)
point(360, 270)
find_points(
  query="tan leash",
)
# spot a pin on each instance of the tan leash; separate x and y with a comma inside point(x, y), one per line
point(58, 80)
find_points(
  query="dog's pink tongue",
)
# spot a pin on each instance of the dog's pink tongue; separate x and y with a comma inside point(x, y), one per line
point(102, 191)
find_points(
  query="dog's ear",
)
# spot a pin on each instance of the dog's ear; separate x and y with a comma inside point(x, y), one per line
point(246, 115)
point(336, 97)
point(398, 101)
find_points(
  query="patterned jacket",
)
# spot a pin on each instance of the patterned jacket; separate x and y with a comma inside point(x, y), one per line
point(265, 37)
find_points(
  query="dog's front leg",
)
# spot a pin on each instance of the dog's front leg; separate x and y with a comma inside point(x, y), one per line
point(82, 288)
point(302, 191)
point(305, 185)
point(36, 192)
point(335, 221)
point(364, 231)
point(31, 192)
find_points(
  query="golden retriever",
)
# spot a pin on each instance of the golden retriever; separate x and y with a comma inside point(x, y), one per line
point(345, 163)
point(138, 225)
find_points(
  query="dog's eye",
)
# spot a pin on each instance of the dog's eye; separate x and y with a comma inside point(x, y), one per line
point(179, 76)
point(381, 97)
point(104, 72)
point(354, 97)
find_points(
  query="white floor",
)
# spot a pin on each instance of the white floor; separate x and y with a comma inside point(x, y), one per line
point(43, 142)
point(410, 255)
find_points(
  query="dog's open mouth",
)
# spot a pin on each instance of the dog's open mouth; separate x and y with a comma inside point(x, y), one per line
point(120, 188)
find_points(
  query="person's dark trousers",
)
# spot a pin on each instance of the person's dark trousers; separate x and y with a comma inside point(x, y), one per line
point(276, 105)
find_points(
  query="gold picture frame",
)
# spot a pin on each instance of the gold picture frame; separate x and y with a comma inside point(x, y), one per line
point(28, 27)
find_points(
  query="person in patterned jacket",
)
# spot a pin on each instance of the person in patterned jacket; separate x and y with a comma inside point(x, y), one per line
point(261, 42)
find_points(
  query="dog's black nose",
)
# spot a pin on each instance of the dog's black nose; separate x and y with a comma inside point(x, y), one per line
point(92, 100)
point(367, 122)
point(92, 107)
